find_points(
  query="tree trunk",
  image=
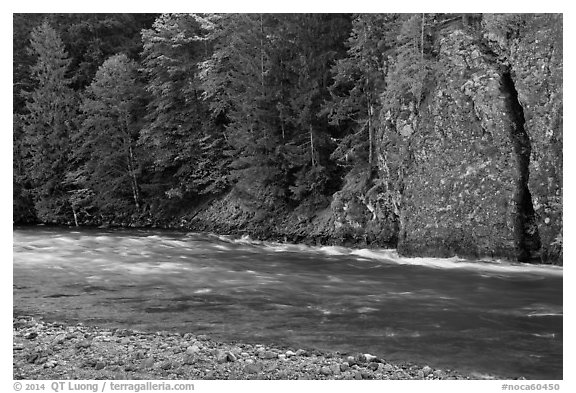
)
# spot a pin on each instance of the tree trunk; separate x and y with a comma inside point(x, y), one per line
point(312, 147)
point(262, 53)
point(370, 134)
point(422, 37)
point(133, 179)
point(75, 216)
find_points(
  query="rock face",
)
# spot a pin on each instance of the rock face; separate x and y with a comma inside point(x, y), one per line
point(460, 185)
point(536, 59)
point(474, 169)
point(484, 176)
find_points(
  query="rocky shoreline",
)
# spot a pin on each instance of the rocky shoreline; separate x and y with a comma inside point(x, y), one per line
point(57, 351)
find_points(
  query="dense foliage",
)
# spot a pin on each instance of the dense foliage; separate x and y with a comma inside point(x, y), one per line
point(139, 118)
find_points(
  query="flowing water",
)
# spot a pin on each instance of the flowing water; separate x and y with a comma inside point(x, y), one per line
point(485, 317)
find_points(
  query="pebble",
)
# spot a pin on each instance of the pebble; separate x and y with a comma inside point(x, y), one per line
point(166, 365)
point(252, 368)
point(31, 335)
point(325, 371)
point(426, 370)
point(99, 365)
point(370, 358)
point(301, 352)
point(289, 354)
point(33, 358)
point(84, 344)
point(267, 355)
point(189, 359)
point(59, 339)
point(357, 375)
point(373, 366)
point(344, 366)
point(335, 369)
point(192, 350)
point(50, 364)
point(148, 363)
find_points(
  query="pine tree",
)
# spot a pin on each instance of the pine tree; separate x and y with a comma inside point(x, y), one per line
point(185, 144)
point(359, 80)
point(50, 113)
point(312, 44)
point(237, 86)
point(112, 109)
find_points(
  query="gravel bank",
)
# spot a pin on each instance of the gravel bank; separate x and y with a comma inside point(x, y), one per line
point(47, 350)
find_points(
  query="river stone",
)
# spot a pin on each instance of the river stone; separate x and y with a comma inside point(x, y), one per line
point(193, 349)
point(99, 365)
point(125, 341)
point(335, 369)
point(301, 352)
point(148, 363)
point(325, 371)
point(230, 356)
point(189, 359)
point(31, 335)
point(290, 353)
point(426, 370)
point(166, 365)
point(33, 358)
point(357, 375)
point(344, 366)
point(373, 366)
point(50, 364)
point(59, 339)
point(84, 344)
point(282, 356)
point(252, 368)
point(267, 355)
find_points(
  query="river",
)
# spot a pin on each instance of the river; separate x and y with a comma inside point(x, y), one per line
point(484, 317)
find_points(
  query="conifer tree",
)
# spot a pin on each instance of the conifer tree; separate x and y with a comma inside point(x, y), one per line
point(185, 145)
point(237, 85)
point(50, 114)
point(113, 107)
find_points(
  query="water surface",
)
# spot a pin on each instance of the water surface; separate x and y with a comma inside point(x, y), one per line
point(486, 317)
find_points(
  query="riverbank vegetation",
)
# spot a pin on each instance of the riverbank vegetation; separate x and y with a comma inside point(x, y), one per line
point(298, 125)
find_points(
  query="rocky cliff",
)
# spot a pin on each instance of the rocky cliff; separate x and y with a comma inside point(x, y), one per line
point(470, 165)
point(474, 169)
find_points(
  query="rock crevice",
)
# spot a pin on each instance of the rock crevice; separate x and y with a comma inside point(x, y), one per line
point(526, 236)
